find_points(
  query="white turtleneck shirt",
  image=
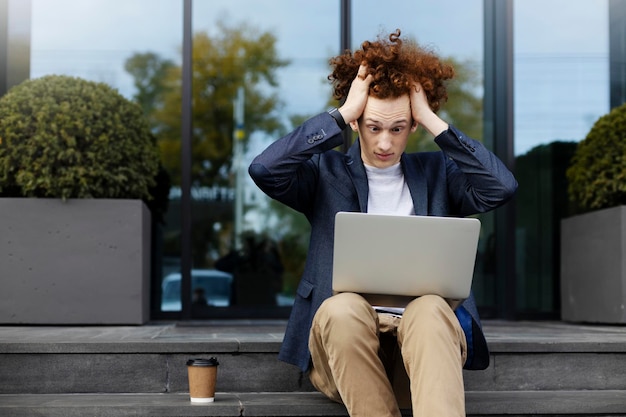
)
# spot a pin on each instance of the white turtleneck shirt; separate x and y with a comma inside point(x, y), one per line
point(388, 192)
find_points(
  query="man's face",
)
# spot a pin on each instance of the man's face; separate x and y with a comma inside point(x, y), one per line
point(384, 129)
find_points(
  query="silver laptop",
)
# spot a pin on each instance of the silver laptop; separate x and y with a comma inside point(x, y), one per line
point(403, 257)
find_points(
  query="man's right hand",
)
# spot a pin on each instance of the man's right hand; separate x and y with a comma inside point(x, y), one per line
point(354, 105)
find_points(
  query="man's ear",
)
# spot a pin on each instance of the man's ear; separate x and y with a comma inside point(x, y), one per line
point(414, 126)
point(354, 125)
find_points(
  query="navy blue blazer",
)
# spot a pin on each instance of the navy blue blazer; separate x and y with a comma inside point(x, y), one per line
point(303, 171)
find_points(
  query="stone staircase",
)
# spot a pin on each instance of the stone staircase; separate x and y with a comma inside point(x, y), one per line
point(537, 368)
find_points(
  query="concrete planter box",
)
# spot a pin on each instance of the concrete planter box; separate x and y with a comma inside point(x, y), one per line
point(82, 261)
point(593, 267)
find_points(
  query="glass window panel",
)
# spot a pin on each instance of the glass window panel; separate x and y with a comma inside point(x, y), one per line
point(561, 67)
point(259, 59)
point(92, 40)
point(458, 34)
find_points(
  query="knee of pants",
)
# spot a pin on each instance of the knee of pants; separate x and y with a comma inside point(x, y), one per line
point(345, 312)
point(428, 313)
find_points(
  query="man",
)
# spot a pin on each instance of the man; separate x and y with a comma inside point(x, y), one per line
point(390, 88)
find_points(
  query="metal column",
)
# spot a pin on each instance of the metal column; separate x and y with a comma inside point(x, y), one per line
point(498, 135)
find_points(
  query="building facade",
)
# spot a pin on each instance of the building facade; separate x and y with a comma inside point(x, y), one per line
point(221, 79)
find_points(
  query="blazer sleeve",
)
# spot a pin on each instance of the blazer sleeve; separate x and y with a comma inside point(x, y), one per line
point(288, 169)
point(478, 181)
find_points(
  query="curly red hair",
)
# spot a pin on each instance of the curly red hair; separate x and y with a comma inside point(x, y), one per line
point(395, 64)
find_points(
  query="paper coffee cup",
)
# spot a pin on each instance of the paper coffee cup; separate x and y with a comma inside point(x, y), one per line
point(202, 375)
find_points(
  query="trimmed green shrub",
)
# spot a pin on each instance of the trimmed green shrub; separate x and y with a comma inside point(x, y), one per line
point(597, 173)
point(65, 137)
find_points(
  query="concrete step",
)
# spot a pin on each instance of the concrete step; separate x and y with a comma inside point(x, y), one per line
point(550, 369)
point(303, 404)
point(151, 359)
point(165, 372)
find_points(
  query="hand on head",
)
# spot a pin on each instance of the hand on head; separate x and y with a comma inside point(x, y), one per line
point(419, 103)
point(355, 102)
point(423, 114)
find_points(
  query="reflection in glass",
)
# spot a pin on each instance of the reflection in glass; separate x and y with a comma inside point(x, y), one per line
point(257, 73)
point(97, 42)
point(92, 40)
point(209, 288)
point(561, 88)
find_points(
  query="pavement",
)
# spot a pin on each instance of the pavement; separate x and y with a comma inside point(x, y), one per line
point(500, 334)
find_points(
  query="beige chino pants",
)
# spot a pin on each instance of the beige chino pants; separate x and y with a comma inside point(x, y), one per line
point(376, 364)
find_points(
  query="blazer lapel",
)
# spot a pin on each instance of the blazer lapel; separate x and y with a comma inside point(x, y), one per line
point(416, 180)
point(356, 170)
